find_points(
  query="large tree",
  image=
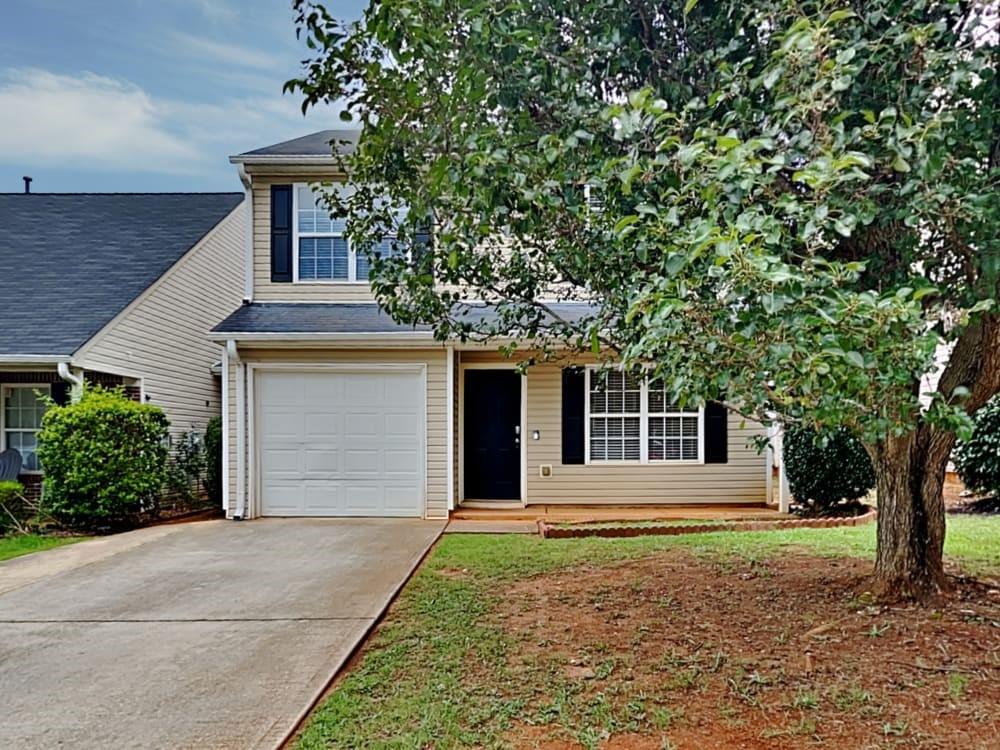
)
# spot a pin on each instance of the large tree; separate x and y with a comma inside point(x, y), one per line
point(784, 205)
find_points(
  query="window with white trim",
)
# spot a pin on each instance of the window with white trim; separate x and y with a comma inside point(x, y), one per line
point(615, 416)
point(21, 419)
point(633, 420)
point(322, 252)
point(673, 431)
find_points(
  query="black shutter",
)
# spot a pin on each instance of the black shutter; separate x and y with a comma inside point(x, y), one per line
point(716, 433)
point(573, 392)
point(60, 392)
point(281, 232)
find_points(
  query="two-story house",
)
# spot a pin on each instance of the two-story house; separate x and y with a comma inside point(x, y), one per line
point(333, 409)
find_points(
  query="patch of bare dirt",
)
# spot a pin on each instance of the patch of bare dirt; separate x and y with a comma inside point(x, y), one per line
point(790, 652)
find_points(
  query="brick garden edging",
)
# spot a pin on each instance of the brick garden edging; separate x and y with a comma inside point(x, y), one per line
point(548, 531)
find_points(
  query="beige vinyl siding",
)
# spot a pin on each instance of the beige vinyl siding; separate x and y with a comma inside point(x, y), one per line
point(265, 290)
point(162, 337)
point(741, 480)
point(437, 403)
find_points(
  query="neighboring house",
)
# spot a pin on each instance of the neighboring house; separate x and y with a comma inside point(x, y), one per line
point(118, 289)
point(332, 409)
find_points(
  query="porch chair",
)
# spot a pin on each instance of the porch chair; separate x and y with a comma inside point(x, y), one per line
point(10, 465)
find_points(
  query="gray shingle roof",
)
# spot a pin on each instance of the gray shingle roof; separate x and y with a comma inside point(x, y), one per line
point(314, 144)
point(70, 262)
point(357, 317)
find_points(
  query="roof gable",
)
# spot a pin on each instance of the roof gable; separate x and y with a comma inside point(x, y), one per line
point(69, 263)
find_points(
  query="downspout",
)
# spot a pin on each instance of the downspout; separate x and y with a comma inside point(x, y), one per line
point(74, 380)
point(247, 181)
point(241, 496)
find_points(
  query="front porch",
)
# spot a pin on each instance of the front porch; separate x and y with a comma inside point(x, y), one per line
point(563, 513)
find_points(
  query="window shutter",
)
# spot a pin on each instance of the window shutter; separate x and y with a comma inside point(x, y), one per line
point(716, 433)
point(281, 232)
point(60, 392)
point(573, 394)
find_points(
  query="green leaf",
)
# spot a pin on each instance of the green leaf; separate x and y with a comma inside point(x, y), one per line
point(855, 358)
point(689, 6)
point(840, 15)
point(900, 164)
point(726, 142)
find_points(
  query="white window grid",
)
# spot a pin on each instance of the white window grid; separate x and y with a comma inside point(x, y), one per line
point(320, 226)
point(690, 424)
point(9, 428)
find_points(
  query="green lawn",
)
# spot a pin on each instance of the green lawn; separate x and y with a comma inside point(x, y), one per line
point(436, 673)
point(24, 544)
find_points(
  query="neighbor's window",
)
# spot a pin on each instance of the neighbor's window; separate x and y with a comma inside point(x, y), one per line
point(322, 250)
point(21, 420)
point(631, 419)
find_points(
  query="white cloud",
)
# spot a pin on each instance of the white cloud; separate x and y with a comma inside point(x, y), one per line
point(103, 122)
point(228, 54)
point(106, 124)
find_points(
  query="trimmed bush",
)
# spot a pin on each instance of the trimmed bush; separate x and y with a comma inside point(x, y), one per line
point(213, 457)
point(104, 458)
point(977, 459)
point(826, 469)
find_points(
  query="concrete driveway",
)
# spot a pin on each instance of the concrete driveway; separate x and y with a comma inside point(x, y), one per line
point(203, 635)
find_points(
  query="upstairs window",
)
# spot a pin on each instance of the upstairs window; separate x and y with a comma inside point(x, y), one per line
point(630, 419)
point(322, 252)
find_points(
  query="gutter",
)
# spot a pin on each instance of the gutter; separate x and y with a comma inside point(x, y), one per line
point(284, 159)
point(31, 359)
point(379, 336)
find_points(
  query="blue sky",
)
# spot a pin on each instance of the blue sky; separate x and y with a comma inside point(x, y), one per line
point(146, 95)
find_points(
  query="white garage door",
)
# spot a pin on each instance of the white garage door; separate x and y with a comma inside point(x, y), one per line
point(345, 443)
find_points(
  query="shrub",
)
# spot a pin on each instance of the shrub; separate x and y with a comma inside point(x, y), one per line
point(186, 468)
point(977, 459)
point(825, 469)
point(104, 458)
point(11, 506)
point(213, 459)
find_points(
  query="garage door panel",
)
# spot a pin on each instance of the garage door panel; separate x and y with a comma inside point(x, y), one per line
point(401, 463)
point(402, 426)
point(321, 463)
point(285, 498)
point(318, 498)
point(404, 392)
point(282, 463)
point(360, 463)
point(341, 443)
point(363, 499)
point(283, 423)
point(318, 389)
point(361, 424)
point(397, 497)
point(321, 424)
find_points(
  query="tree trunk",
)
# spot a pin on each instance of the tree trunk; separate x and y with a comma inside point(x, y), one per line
point(909, 473)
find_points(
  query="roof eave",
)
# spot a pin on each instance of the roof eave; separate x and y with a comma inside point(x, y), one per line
point(377, 337)
point(283, 159)
point(34, 359)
